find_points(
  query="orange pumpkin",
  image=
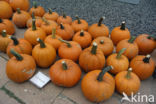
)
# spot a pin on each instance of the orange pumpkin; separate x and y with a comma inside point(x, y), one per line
point(98, 29)
point(70, 71)
point(7, 25)
point(79, 25)
point(64, 19)
point(20, 18)
point(33, 33)
point(118, 61)
point(146, 44)
point(5, 10)
point(132, 49)
point(4, 41)
point(127, 82)
point(105, 44)
point(120, 33)
point(92, 58)
point(143, 66)
point(22, 4)
point(98, 85)
point(65, 31)
point(69, 50)
point(51, 15)
point(44, 54)
point(21, 67)
point(19, 45)
point(83, 38)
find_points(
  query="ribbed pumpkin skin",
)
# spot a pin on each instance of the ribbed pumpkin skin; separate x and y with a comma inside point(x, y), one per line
point(39, 11)
point(4, 41)
point(78, 27)
point(96, 91)
point(67, 20)
point(54, 16)
point(37, 23)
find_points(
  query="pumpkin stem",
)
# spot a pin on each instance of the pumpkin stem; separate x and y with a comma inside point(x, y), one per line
point(102, 73)
point(94, 48)
point(128, 75)
point(33, 24)
point(16, 42)
point(123, 25)
point(17, 55)
point(78, 19)
point(64, 65)
point(4, 33)
point(68, 44)
point(34, 4)
point(50, 11)
point(100, 21)
point(120, 53)
point(131, 40)
point(18, 11)
point(33, 15)
point(82, 33)
point(151, 36)
point(61, 26)
point(46, 21)
point(64, 15)
point(53, 33)
point(147, 59)
point(1, 20)
point(101, 41)
point(42, 44)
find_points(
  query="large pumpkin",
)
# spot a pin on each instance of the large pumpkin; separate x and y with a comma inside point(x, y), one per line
point(64, 19)
point(98, 85)
point(51, 15)
point(92, 58)
point(22, 4)
point(70, 71)
point(21, 67)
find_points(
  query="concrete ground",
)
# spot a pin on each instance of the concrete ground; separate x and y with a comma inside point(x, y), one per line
point(140, 19)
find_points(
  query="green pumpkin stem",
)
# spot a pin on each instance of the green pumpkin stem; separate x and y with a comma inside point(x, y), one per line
point(46, 21)
point(123, 26)
point(147, 59)
point(33, 24)
point(152, 36)
point(82, 33)
point(18, 11)
point(53, 33)
point(131, 40)
point(64, 41)
point(128, 75)
point(42, 44)
point(101, 41)
point(102, 73)
point(78, 19)
point(100, 21)
point(94, 48)
point(34, 4)
point(4, 33)
point(61, 26)
point(33, 15)
point(15, 40)
point(120, 53)
point(64, 15)
point(17, 55)
point(50, 11)
point(1, 20)
point(64, 65)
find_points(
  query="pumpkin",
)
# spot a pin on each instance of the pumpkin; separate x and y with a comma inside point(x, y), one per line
point(64, 19)
point(22, 4)
point(53, 40)
point(21, 67)
point(48, 25)
point(98, 29)
point(38, 10)
point(127, 82)
point(7, 25)
point(92, 58)
point(79, 25)
point(5, 10)
point(83, 38)
point(118, 61)
point(146, 44)
point(70, 71)
point(20, 18)
point(105, 44)
point(4, 41)
point(132, 49)
point(143, 66)
point(20, 45)
point(51, 15)
point(44, 54)
point(98, 85)
point(33, 33)
point(65, 31)
point(69, 50)
point(120, 33)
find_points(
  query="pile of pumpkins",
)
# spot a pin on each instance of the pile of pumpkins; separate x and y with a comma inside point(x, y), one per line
point(49, 35)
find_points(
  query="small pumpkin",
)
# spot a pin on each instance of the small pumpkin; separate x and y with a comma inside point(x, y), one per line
point(51, 15)
point(127, 82)
point(120, 33)
point(20, 18)
point(21, 67)
point(143, 66)
point(131, 46)
point(79, 25)
point(98, 85)
point(98, 29)
point(44, 54)
point(38, 10)
point(4, 41)
point(33, 33)
point(64, 19)
point(22, 4)
point(118, 61)
point(19, 45)
point(5, 10)
point(83, 38)
point(65, 31)
point(69, 50)
point(146, 43)
point(53, 40)
point(70, 71)
point(92, 58)
point(105, 44)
